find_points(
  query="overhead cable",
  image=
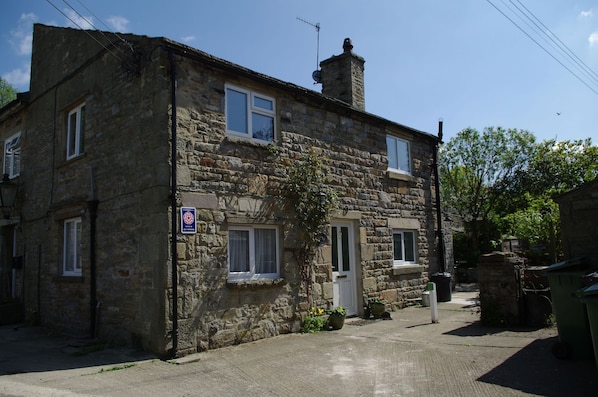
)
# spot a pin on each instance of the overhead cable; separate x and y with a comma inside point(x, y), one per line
point(107, 27)
point(86, 31)
point(90, 23)
point(542, 33)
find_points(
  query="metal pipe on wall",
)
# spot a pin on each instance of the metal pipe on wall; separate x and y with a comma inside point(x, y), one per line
point(173, 204)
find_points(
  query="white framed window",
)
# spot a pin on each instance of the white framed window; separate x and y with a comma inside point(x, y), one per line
point(12, 156)
point(253, 252)
point(404, 247)
point(249, 114)
point(399, 154)
point(71, 252)
point(75, 130)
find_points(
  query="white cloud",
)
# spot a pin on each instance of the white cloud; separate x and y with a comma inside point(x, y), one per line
point(22, 37)
point(120, 24)
point(586, 14)
point(593, 39)
point(19, 78)
point(188, 39)
point(77, 21)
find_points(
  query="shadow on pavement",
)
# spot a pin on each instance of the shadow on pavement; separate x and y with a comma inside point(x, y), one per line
point(477, 329)
point(35, 349)
point(535, 370)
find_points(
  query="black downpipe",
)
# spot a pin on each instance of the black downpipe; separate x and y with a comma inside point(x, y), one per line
point(92, 206)
point(441, 248)
point(173, 204)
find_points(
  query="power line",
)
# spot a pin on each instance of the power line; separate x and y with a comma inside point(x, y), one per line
point(543, 29)
point(87, 32)
point(93, 26)
point(107, 27)
point(542, 33)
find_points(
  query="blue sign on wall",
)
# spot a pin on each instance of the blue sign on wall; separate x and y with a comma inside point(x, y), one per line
point(188, 224)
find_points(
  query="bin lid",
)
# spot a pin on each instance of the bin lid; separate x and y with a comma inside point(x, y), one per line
point(570, 264)
point(591, 278)
point(592, 290)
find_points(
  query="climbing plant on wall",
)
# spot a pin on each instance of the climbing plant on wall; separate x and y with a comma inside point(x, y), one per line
point(313, 201)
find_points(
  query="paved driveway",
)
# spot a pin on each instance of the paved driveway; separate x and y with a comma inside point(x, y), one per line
point(405, 356)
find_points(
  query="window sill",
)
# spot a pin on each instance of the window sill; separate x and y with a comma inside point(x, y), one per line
point(250, 284)
point(407, 269)
point(247, 140)
point(69, 279)
point(400, 176)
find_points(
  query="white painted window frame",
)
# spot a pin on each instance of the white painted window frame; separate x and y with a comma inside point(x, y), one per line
point(251, 274)
point(251, 109)
point(71, 250)
point(75, 135)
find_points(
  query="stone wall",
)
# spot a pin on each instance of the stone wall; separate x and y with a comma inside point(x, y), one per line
point(241, 182)
point(126, 160)
point(12, 121)
point(229, 181)
point(500, 282)
point(579, 222)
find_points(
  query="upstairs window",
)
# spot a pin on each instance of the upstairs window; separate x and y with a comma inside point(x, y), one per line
point(249, 114)
point(71, 253)
point(399, 155)
point(12, 156)
point(75, 129)
point(252, 253)
point(403, 247)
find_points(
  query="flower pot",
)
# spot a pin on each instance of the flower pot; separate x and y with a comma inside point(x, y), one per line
point(336, 321)
point(377, 309)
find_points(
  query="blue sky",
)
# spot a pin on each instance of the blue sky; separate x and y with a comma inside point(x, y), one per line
point(461, 61)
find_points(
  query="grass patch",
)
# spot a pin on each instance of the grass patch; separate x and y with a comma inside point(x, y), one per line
point(116, 368)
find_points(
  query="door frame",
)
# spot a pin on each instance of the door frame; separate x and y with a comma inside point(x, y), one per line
point(347, 279)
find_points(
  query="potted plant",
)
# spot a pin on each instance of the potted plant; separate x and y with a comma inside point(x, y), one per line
point(376, 306)
point(336, 317)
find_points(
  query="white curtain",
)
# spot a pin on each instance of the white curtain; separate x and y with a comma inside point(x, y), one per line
point(238, 245)
point(265, 251)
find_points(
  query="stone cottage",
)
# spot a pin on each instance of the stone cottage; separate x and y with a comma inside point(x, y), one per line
point(151, 204)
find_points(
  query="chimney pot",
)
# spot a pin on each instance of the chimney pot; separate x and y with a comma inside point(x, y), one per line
point(347, 45)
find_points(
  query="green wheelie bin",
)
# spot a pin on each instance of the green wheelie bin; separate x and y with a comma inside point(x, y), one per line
point(589, 296)
point(565, 279)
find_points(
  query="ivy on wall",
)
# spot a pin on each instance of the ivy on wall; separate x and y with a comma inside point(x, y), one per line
point(313, 201)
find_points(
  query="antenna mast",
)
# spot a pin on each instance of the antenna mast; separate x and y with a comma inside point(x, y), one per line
point(316, 74)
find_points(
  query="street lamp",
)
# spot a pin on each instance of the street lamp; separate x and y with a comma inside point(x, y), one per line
point(8, 194)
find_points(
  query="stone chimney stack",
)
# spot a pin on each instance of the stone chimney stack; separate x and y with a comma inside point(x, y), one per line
point(342, 77)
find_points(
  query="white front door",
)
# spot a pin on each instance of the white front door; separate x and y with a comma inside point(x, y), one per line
point(343, 267)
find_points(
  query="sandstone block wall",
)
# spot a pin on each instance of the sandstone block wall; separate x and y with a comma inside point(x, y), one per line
point(229, 181)
point(500, 276)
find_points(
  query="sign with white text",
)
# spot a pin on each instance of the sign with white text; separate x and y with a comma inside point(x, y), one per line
point(188, 224)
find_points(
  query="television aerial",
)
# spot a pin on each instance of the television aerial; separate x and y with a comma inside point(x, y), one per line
point(316, 74)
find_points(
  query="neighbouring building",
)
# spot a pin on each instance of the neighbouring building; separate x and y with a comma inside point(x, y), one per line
point(151, 203)
point(578, 210)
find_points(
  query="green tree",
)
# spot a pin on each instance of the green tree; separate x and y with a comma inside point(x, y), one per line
point(558, 167)
point(473, 168)
point(529, 211)
point(7, 92)
point(537, 223)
